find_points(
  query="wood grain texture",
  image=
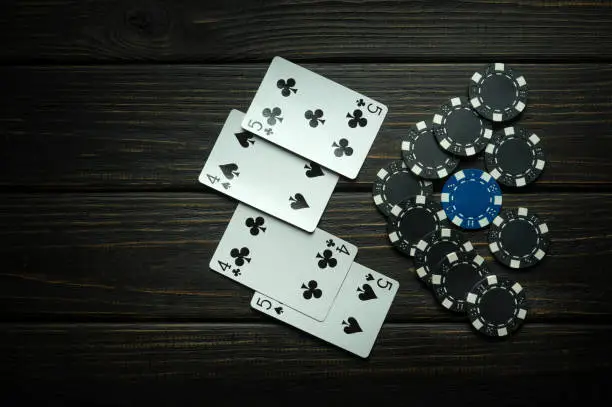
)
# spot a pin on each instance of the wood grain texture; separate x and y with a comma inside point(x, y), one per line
point(127, 363)
point(105, 235)
point(152, 127)
point(233, 30)
point(134, 257)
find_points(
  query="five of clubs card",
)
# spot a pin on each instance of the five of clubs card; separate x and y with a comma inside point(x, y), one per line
point(281, 160)
point(314, 117)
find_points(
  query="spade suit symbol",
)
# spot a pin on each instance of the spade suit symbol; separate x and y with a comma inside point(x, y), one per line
point(298, 202)
point(352, 326)
point(369, 277)
point(279, 310)
point(366, 293)
point(245, 138)
point(314, 170)
point(229, 170)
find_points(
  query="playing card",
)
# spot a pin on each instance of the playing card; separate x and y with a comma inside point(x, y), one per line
point(267, 176)
point(314, 117)
point(302, 270)
point(356, 316)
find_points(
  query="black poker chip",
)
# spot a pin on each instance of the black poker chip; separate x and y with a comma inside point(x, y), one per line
point(434, 247)
point(396, 183)
point(459, 129)
point(409, 221)
point(518, 239)
point(498, 92)
point(423, 155)
point(514, 156)
point(496, 306)
point(455, 276)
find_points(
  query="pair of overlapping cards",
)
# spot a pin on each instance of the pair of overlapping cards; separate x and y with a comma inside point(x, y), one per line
point(282, 159)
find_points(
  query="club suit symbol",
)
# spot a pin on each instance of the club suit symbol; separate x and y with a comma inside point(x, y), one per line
point(286, 86)
point(356, 119)
point(272, 115)
point(255, 225)
point(240, 256)
point(341, 148)
point(314, 118)
point(311, 290)
point(326, 259)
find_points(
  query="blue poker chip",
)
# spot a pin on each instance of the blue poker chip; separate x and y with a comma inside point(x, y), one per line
point(471, 199)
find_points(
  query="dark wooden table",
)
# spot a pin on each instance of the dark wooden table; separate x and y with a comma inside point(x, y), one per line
point(108, 110)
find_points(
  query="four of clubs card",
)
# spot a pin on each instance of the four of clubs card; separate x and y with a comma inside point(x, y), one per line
point(314, 117)
point(303, 270)
point(268, 177)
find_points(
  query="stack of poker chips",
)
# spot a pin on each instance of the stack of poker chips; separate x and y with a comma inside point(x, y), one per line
point(420, 227)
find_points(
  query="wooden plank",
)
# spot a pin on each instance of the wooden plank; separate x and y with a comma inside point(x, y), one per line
point(127, 363)
point(238, 30)
point(152, 127)
point(125, 257)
